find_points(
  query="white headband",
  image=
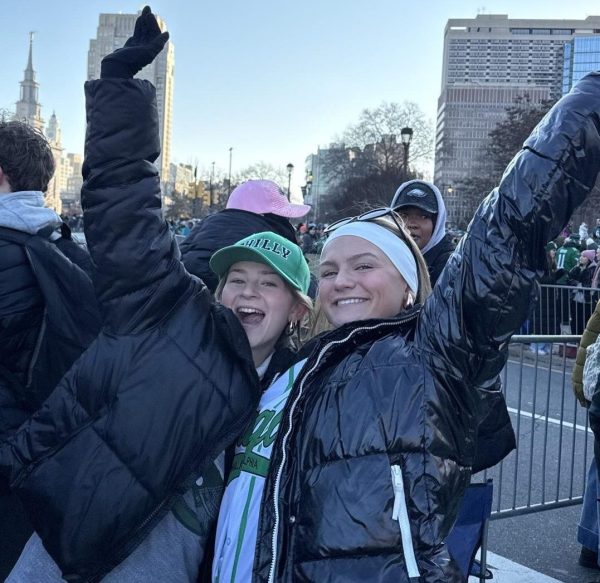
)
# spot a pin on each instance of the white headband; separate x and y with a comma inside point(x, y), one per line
point(395, 249)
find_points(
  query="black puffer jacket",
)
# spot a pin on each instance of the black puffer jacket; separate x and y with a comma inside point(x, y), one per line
point(399, 397)
point(48, 316)
point(21, 310)
point(167, 385)
point(222, 229)
point(437, 257)
point(29, 367)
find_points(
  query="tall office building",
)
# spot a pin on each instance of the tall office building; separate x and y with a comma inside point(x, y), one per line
point(113, 31)
point(489, 61)
point(322, 179)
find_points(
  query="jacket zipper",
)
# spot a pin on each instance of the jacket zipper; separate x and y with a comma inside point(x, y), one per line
point(400, 513)
point(288, 432)
point(36, 351)
point(40, 337)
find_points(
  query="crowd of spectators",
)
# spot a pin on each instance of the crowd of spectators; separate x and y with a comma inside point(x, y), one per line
point(570, 285)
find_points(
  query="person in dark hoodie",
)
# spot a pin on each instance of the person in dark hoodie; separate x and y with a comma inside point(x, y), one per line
point(421, 206)
point(44, 326)
point(252, 207)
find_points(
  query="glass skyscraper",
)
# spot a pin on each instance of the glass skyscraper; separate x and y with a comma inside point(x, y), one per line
point(581, 56)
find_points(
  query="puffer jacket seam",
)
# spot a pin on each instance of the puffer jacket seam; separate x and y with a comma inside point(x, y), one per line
point(102, 171)
point(386, 452)
point(36, 348)
point(424, 426)
point(180, 302)
point(392, 451)
point(93, 419)
point(54, 450)
point(391, 550)
point(204, 374)
point(501, 304)
point(123, 463)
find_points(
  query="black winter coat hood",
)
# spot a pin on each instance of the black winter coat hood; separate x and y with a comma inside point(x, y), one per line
point(437, 257)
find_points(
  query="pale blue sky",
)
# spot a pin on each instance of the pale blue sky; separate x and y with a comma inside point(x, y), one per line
point(271, 78)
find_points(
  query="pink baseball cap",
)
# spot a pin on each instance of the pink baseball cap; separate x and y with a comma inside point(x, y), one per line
point(590, 254)
point(262, 197)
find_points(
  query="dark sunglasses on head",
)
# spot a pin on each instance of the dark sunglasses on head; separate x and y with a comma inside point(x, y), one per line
point(368, 216)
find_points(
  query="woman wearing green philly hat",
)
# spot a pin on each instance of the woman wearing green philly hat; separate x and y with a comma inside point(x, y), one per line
point(263, 279)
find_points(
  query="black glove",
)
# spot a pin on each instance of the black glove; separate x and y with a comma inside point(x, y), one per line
point(139, 50)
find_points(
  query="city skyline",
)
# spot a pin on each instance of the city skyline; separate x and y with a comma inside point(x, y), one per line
point(490, 62)
point(272, 82)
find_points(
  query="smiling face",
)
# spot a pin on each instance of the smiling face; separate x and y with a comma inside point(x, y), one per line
point(263, 303)
point(419, 222)
point(358, 281)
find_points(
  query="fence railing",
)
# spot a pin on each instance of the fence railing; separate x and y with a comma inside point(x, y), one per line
point(562, 309)
point(554, 443)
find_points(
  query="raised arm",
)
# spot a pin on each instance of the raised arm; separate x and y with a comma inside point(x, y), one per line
point(137, 272)
point(490, 282)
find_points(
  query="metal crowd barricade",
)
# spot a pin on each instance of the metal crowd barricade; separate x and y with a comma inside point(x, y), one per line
point(554, 443)
point(562, 309)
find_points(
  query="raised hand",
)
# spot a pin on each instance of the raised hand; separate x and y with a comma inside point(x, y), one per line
point(139, 50)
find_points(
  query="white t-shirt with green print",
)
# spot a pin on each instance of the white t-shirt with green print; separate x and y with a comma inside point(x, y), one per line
point(240, 508)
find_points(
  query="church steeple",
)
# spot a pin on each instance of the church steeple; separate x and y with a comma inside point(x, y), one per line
point(28, 106)
point(29, 72)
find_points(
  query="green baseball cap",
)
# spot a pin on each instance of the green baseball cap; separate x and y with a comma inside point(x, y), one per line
point(283, 256)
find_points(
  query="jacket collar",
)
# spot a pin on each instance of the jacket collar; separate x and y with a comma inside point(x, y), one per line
point(347, 337)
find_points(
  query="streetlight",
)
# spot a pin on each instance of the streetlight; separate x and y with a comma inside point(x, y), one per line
point(289, 167)
point(450, 204)
point(229, 186)
point(406, 135)
point(309, 193)
point(210, 185)
point(195, 201)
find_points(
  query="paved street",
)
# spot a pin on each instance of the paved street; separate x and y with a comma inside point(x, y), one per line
point(540, 547)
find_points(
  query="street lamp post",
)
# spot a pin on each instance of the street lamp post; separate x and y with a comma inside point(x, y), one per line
point(309, 192)
point(194, 202)
point(289, 167)
point(450, 204)
point(406, 135)
point(210, 186)
point(229, 185)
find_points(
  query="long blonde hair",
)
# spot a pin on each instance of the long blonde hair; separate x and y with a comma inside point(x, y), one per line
point(320, 323)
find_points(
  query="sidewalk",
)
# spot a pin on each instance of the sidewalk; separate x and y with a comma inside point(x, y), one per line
point(507, 571)
point(538, 548)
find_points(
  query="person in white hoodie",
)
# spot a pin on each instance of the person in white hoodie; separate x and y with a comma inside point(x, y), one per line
point(422, 208)
point(36, 263)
